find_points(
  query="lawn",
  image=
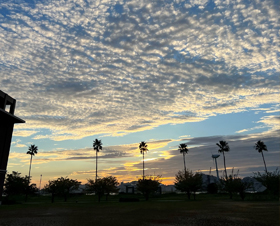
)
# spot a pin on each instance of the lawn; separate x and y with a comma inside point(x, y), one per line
point(164, 210)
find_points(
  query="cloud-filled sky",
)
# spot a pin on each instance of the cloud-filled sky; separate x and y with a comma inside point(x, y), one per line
point(164, 72)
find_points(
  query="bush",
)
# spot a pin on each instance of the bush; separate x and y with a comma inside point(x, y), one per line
point(188, 182)
point(212, 188)
point(103, 186)
point(15, 184)
point(234, 184)
point(62, 186)
point(270, 180)
point(148, 185)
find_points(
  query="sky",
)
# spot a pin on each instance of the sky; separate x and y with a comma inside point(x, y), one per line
point(165, 72)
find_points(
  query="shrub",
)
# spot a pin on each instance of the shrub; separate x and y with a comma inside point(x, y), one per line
point(234, 184)
point(270, 180)
point(148, 185)
point(188, 182)
point(103, 186)
point(212, 188)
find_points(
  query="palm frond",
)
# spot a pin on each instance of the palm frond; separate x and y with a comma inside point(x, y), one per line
point(143, 147)
point(183, 148)
point(223, 146)
point(97, 145)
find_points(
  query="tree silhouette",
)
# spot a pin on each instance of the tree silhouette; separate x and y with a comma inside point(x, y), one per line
point(183, 150)
point(101, 186)
point(52, 188)
point(143, 148)
point(32, 150)
point(15, 184)
point(62, 186)
point(97, 145)
point(148, 185)
point(223, 145)
point(188, 182)
point(260, 147)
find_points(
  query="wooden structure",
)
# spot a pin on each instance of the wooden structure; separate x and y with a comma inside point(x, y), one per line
point(7, 121)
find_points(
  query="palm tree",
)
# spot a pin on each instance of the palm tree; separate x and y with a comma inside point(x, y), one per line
point(32, 150)
point(260, 147)
point(97, 145)
point(183, 150)
point(143, 148)
point(223, 145)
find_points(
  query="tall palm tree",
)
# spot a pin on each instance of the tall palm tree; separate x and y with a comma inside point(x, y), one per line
point(260, 147)
point(223, 145)
point(143, 148)
point(183, 150)
point(32, 150)
point(97, 145)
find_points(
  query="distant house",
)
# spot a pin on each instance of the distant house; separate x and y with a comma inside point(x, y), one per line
point(167, 189)
point(129, 188)
point(80, 190)
point(256, 185)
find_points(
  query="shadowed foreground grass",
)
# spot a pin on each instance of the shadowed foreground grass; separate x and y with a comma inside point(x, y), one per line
point(165, 210)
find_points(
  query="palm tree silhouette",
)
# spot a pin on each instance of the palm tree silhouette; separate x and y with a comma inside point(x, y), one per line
point(143, 148)
point(32, 150)
point(183, 150)
point(260, 147)
point(97, 145)
point(223, 145)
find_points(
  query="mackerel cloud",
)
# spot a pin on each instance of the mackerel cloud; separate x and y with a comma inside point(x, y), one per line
point(79, 68)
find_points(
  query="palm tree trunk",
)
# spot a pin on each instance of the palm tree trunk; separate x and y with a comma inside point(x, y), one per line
point(143, 166)
point(184, 163)
point(27, 189)
point(96, 167)
point(29, 170)
point(264, 163)
point(225, 164)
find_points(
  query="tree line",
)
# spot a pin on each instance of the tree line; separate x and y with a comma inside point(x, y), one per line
point(185, 181)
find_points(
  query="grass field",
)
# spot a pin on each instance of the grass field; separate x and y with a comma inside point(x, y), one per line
point(164, 210)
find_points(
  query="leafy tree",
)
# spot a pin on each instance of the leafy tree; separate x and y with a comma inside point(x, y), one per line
point(260, 147)
point(188, 182)
point(233, 184)
point(241, 187)
point(183, 150)
point(62, 186)
point(111, 185)
point(97, 145)
point(66, 185)
point(52, 187)
point(143, 148)
point(224, 147)
point(148, 185)
point(15, 184)
point(271, 180)
point(102, 186)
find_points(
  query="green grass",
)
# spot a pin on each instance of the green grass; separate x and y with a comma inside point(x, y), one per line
point(169, 209)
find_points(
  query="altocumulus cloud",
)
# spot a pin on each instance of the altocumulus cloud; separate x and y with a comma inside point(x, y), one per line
point(81, 68)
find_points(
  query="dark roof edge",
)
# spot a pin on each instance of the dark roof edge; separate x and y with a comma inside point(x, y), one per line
point(15, 118)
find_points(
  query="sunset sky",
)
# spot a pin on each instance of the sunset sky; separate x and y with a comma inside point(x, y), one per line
point(165, 72)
